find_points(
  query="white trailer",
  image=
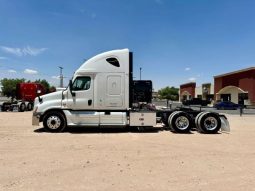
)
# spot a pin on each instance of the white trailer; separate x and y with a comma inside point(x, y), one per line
point(101, 94)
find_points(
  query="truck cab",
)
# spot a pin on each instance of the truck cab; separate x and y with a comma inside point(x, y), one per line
point(97, 95)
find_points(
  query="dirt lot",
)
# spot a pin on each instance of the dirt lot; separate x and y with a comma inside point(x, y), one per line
point(80, 159)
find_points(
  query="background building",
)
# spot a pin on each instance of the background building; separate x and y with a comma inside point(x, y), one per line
point(187, 91)
point(155, 95)
point(205, 91)
point(237, 86)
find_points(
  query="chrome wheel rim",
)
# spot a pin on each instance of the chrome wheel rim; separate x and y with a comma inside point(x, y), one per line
point(182, 122)
point(210, 123)
point(53, 122)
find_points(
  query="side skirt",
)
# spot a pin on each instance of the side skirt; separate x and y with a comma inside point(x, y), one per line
point(96, 118)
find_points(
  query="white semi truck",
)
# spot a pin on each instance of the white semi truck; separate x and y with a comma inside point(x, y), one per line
point(101, 94)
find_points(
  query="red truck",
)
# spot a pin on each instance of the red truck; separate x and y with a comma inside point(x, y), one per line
point(25, 95)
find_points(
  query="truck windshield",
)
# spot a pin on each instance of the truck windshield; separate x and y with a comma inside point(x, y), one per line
point(81, 83)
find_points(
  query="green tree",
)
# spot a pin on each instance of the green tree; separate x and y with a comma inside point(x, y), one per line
point(9, 86)
point(45, 84)
point(169, 93)
point(52, 89)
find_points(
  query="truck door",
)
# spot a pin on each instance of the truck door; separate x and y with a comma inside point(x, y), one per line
point(81, 103)
point(114, 97)
point(83, 93)
point(110, 91)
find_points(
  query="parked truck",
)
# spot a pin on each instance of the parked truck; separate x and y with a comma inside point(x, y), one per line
point(25, 95)
point(102, 93)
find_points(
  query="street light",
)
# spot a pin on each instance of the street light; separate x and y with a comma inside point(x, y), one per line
point(140, 73)
point(61, 77)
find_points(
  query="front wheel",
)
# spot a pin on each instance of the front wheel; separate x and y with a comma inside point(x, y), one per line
point(54, 121)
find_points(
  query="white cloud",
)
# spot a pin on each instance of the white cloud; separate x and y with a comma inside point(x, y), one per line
point(159, 1)
point(192, 79)
point(55, 77)
point(12, 71)
point(93, 15)
point(29, 71)
point(15, 51)
point(90, 14)
point(187, 69)
point(2, 58)
point(33, 51)
point(23, 51)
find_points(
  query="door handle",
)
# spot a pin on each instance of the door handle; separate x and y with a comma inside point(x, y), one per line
point(89, 101)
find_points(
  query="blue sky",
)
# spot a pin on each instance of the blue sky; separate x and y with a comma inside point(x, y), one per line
point(174, 41)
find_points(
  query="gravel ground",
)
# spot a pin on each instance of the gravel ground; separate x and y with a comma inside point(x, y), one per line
point(85, 159)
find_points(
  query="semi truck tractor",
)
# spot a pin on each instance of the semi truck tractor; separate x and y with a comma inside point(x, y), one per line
point(102, 93)
point(25, 95)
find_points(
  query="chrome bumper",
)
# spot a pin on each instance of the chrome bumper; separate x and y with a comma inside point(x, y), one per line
point(36, 119)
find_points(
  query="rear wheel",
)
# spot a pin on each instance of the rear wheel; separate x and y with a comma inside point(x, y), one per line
point(54, 122)
point(29, 106)
point(169, 122)
point(180, 122)
point(197, 123)
point(209, 123)
point(4, 107)
point(22, 107)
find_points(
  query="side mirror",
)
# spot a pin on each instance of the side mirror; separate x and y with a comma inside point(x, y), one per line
point(71, 87)
point(38, 92)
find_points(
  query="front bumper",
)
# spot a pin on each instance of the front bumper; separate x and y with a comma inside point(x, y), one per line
point(36, 119)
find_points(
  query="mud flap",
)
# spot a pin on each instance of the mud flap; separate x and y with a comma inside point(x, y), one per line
point(224, 123)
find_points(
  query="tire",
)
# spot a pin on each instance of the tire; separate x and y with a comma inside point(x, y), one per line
point(22, 107)
point(181, 122)
point(54, 122)
point(30, 106)
point(4, 107)
point(170, 119)
point(196, 121)
point(209, 123)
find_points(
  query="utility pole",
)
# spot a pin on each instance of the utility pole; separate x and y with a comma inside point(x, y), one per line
point(61, 77)
point(140, 73)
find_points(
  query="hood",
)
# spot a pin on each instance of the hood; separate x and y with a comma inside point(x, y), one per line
point(48, 101)
point(52, 96)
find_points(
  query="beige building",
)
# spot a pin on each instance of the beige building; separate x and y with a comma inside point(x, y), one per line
point(205, 91)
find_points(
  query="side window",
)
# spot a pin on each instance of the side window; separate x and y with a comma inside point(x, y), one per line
point(113, 61)
point(81, 83)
